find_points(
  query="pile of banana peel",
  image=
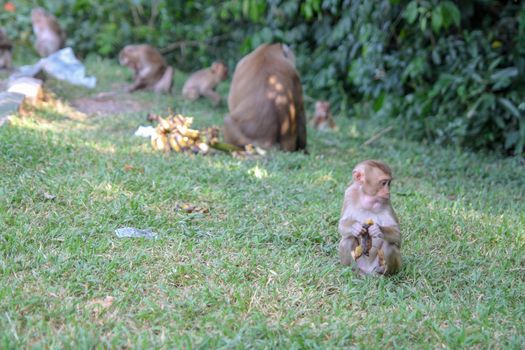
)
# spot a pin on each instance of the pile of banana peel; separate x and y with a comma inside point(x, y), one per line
point(174, 133)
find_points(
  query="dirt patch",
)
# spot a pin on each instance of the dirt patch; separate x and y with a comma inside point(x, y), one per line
point(105, 104)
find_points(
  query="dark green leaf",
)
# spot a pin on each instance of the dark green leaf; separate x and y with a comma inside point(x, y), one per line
point(511, 139)
point(509, 106)
point(450, 9)
point(437, 19)
point(506, 73)
point(410, 13)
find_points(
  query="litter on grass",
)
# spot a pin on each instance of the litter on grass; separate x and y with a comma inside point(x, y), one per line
point(174, 133)
point(145, 131)
point(62, 65)
point(132, 232)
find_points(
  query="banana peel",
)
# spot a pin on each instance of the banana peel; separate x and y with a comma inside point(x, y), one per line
point(160, 142)
point(358, 251)
point(365, 241)
point(175, 133)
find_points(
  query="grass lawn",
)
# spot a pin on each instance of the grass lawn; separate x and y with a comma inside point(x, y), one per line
point(260, 269)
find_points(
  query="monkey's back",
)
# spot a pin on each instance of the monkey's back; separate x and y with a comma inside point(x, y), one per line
point(156, 63)
point(266, 97)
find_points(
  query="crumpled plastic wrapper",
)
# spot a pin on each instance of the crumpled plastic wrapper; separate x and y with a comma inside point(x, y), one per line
point(62, 65)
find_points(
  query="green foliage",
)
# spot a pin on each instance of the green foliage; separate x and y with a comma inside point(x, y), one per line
point(450, 72)
point(440, 14)
point(469, 84)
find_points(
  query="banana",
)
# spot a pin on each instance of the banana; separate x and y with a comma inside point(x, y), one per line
point(358, 252)
point(160, 142)
point(172, 139)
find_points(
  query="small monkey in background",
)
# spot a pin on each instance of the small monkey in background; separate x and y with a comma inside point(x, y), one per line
point(150, 68)
point(323, 116)
point(368, 198)
point(5, 50)
point(49, 36)
point(204, 81)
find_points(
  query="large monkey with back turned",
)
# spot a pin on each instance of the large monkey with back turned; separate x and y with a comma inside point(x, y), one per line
point(150, 68)
point(49, 36)
point(266, 101)
point(368, 198)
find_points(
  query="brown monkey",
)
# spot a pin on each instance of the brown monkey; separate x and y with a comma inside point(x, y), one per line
point(367, 203)
point(49, 36)
point(204, 81)
point(323, 116)
point(5, 50)
point(151, 70)
point(266, 101)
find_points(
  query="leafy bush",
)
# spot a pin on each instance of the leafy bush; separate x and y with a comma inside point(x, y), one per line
point(450, 72)
point(465, 85)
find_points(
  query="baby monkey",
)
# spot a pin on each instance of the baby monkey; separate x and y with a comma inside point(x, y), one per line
point(367, 211)
point(323, 119)
point(204, 81)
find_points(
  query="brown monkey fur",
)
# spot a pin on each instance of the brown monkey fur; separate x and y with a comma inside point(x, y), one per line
point(5, 50)
point(368, 198)
point(150, 68)
point(323, 116)
point(204, 81)
point(266, 101)
point(49, 36)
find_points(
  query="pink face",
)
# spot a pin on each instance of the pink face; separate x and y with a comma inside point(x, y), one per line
point(378, 184)
point(322, 108)
point(124, 55)
point(220, 69)
point(37, 15)
point(374, 183)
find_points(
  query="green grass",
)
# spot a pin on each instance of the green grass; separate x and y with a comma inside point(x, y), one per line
point(260, 270)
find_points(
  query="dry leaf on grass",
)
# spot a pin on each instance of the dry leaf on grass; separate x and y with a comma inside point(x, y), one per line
point(249, 152)
point(105, 302)
point(98, 305)
point(129, 167)
point(190, 208)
